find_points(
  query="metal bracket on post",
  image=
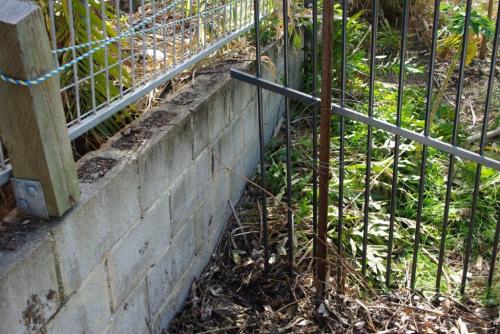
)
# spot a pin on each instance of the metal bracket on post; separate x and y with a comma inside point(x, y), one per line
point(30, 197)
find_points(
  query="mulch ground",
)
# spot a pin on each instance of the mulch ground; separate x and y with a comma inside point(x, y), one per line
point(235, 295)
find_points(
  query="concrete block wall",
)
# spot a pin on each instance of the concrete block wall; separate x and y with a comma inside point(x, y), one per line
point(155, 200)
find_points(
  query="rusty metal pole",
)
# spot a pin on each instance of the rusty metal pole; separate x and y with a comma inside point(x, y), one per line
point(324, 144)
point(484, 42)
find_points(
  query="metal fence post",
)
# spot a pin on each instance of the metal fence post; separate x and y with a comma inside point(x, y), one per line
point(32, 121)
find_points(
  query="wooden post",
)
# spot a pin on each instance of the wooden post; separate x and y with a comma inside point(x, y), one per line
point(32, 121)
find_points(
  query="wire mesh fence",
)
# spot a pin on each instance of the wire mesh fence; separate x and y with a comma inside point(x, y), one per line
point(112, 53)
point(141, 47)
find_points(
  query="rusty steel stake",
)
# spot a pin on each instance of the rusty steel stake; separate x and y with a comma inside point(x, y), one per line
point(324, 145)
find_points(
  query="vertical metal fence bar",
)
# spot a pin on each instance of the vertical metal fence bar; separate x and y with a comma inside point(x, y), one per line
point(53, 38)
point(174, 37)
point(205, 24)
point(373, 51)
point(143, 46)
point(234, 7)
point(132, 43)
point(288, 142)
point(428, 108)
point(247, 12)
point(451, 165)
point(261, 136)
point(482, 144)
point(224, 22)
point(106, 55)
point(153, 23)
point(402, 61)
point(315, 126)
point(230, 16)
point(75, 66)
point(494, 253)
point(164, 36)
point(343, 82)
point(183, 27)
point(240, 14)
point(198, 25)
point(191, 27)
point(91, 58)
point(213, 29)
point(119, 45)
point(245, 17)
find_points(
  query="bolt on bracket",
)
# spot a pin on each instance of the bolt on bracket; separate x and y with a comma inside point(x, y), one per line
point(30, 197)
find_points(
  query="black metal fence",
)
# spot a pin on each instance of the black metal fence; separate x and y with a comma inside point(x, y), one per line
point(452, 148)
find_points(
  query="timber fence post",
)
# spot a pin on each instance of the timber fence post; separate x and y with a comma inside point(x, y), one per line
point(32, 122)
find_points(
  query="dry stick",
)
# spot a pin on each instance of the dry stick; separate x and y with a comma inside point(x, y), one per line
point(261, 223)
point(396, 312)
point(489, 135)
point(238, 221)
point(445, 273)
point(416, 308)
point(361, 280)
point(289, 304)
point(369, 317)
point(324, 146)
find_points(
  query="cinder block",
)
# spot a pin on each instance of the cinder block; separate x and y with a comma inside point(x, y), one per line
point(166, 273)
point(164, 158)
point(250, 124)
point(273, 114)
point(221, 212)
point(133, 316)
point(237, 181)
point(253, 158)
point(175, 301)
point(202, 224)
point(88, 311)
point(183, 200)
point(202, 133)
point(227, 146)
point(29, 293)
point(203, 174)
point(211, 117)
point(241, 95)
point(190, 189)
point(96, 223)
point(140, 248)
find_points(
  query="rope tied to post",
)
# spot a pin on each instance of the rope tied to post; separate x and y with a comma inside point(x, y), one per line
point(132, 31)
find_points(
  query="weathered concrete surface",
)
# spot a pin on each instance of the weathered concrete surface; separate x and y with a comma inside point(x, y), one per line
point(123, 260)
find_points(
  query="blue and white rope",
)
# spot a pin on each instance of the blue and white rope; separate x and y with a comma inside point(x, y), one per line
point(101, 44)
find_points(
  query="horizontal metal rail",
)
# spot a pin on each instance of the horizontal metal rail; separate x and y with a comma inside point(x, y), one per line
point(372, 121)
